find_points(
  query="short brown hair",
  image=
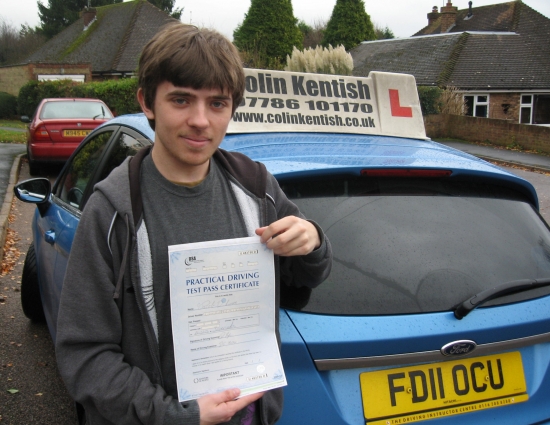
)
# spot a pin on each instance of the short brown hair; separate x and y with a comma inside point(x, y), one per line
point(187, 56)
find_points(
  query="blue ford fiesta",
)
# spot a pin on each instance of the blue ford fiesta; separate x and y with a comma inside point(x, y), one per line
point(438, 305)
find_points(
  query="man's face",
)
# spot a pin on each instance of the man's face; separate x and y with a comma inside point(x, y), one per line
point(189, 126)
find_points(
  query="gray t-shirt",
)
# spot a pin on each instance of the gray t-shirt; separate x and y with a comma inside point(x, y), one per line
point(175, 215)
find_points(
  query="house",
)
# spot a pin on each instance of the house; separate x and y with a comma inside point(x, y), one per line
point(104, 43)
point(498, 56)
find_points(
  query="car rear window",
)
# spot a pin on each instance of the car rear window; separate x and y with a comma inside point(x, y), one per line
point(418, 245)
point(74, 109)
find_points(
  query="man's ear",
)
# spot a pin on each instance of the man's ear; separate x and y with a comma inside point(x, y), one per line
point(147, 111)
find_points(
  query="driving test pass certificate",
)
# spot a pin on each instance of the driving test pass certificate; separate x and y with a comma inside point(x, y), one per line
point(222, 296)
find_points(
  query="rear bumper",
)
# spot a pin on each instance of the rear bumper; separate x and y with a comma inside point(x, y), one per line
point(52, 152)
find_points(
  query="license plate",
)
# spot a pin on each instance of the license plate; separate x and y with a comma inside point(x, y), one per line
point(76, 133)
point(418, 393)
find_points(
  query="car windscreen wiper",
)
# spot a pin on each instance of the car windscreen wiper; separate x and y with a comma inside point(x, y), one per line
point(102, 113)
point(464, 308)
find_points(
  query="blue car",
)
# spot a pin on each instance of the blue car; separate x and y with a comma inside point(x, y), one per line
point(438, 304)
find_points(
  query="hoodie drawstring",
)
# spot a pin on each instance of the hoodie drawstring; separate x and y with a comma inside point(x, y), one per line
point(124, 259)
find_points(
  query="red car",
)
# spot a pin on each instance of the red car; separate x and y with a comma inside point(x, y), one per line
point(59, 126)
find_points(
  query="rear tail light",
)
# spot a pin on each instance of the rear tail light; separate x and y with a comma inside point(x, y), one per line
point(397, 172)
point(41, 134)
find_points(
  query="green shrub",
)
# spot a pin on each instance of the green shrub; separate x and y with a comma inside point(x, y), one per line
point(349, 25)
point(270, 29)
point(430, 100)
point(119, 95)
point(8, 105)
point(28, 98)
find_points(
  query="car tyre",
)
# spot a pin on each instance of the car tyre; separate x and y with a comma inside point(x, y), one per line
point(30, 291)
point(34, 169)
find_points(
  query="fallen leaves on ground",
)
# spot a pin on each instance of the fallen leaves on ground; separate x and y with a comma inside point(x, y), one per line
point(519, 167)
point(11, 252)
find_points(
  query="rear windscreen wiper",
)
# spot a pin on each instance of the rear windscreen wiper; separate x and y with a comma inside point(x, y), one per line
point(464, 308)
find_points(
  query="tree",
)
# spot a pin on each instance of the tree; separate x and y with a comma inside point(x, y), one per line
point(270, 28)
point(349, 25)
point(314, 36)
point(168, 7)
point(59, 14)
point(17, 45)
point(383, 33)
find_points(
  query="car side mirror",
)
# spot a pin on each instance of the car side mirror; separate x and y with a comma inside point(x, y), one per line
point(25, 118)
point(33, 191)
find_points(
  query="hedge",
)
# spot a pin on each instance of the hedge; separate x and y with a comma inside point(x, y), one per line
point(8, 105)
point(430, 100)
point(119, 95)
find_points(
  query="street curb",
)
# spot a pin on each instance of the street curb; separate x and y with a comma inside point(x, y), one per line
point(539, 168)
point(8, 198)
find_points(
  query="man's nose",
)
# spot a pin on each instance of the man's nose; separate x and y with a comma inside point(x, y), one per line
point(199, 115)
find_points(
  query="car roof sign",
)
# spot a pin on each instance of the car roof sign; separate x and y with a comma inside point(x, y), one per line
point(279, 101)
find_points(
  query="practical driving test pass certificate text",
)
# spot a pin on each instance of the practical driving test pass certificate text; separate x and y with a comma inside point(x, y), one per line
point(222, 296)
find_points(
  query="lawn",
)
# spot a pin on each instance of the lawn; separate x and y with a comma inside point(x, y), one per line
point(8, 136)
point(12, 124)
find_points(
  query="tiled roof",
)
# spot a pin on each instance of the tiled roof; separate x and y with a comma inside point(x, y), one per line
point(512, 54)
point(427, 58)
point(496, 17)
point(112, 43)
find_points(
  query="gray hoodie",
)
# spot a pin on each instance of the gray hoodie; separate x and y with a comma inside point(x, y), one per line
point(106, 347)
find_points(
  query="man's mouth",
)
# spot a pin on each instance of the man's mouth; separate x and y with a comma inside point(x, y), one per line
point(195, 139)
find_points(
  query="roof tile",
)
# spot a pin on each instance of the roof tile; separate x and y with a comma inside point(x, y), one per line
point(513, 52)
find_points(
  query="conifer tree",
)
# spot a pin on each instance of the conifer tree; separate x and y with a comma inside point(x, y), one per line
point(270, 28)
point(349, 25)
point(168, 7)
point(59, 14)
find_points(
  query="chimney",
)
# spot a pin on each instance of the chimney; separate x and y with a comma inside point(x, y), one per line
point(88, 15)
point(448, 17)
point(433, 16)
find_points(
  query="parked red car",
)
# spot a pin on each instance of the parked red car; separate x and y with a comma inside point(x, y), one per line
point(59, 126)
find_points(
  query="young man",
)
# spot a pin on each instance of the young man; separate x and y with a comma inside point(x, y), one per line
point(114, 341)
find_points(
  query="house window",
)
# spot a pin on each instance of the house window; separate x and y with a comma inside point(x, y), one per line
point(535, 109)
point(477, 105)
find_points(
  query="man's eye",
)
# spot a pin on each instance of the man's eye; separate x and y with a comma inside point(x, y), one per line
point(180, 101)
point(218, 104)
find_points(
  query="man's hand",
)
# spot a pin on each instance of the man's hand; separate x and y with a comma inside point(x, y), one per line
point(290, 236)
point(220, 407)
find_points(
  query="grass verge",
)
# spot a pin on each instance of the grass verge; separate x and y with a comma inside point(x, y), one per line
point(13, 124)
point(7, 136)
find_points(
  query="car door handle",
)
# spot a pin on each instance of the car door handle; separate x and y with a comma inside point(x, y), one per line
point(49, 236)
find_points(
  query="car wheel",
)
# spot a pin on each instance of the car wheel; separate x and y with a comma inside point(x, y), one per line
point(30, 292)
point(34, 169)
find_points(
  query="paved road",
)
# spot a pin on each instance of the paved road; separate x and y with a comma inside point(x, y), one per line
point(541, 162)
point(27, 359)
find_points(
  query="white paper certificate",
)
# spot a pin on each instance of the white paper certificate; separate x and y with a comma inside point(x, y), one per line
point(222, 296)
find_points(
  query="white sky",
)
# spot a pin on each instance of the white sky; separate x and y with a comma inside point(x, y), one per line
point(403, 17)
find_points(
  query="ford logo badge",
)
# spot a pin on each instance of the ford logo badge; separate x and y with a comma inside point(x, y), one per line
point(458, 348)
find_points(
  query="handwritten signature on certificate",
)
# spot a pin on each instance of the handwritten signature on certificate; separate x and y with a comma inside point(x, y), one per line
point(223, 317)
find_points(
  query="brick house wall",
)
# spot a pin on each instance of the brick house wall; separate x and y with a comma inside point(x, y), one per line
point(488, 130)
point(504, 106)
point(13, 77)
